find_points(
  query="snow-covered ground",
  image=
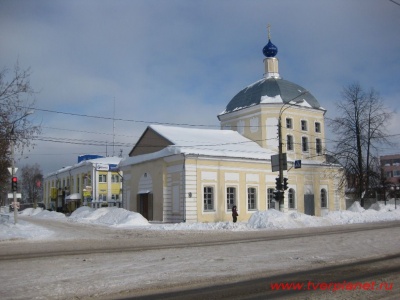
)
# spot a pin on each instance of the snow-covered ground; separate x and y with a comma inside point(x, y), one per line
point(121, 218)
point(107, 275)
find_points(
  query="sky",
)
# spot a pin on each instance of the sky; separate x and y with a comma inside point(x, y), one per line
point(104, 70)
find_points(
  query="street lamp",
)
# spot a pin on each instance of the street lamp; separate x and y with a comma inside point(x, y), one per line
point(13, 162)
point(284, 107)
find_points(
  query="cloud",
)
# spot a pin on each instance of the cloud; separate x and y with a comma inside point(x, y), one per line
point(182, 61)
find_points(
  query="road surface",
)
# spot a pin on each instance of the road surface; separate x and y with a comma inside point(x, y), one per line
point(87, 262)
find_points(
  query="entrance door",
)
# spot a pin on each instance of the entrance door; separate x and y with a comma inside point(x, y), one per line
point(309, 208)
point(145, 205)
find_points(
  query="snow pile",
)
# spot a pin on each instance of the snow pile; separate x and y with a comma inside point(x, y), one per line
point(31, 211)
point(356, 207)
point(43, 214)
point(113, 216)
point(22, 230)
point(273, 219)
point(267, 220)
point(81, 213)
point(378, 212)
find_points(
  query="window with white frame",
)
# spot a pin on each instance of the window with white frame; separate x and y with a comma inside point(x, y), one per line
point(208, 196)
point(318, 146)
point(317, 127)
point(102, 197)
point(102, 178)
point(304, 125)
point(115, 178)
point(115, 197)
point(292, 198)
point(324, 199)
point(251, 198)
point(289, 143)
point(230, 197)
point(304, 144)
point(270, 195)
point(289, 123)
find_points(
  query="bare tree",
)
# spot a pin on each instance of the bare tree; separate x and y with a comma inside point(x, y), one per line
point(16, 103)
point(360, 128)
point(32, 178)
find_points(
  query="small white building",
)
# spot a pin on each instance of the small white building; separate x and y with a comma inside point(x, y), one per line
point(94, 181)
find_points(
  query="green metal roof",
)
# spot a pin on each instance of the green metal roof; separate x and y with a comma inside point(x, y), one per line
point(275, 89)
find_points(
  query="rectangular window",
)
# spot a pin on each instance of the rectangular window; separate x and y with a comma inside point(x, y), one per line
point(115, 197)
point(291, 198)
point(289, 143)
point(251, 198)
point(396, 173)
point(102, 178)
point(317, 127)
point(304, 125)
point(304, 144)
point(230, 197)
point(114, 178)
point(271, 203)
point(318, 146)
point(289, 123)
point(208, 198)
point(102, 197)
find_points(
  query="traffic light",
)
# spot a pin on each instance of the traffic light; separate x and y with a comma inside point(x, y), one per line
point(278, 184)
point(285, 184)
point(14, 184)
point(278, 195)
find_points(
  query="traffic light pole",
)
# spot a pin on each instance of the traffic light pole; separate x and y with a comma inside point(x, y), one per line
point(280, 150)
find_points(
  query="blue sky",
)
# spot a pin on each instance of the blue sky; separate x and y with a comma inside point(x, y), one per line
point(182, 61)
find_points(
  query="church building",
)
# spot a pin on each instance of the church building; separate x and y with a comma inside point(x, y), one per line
point(177, 174)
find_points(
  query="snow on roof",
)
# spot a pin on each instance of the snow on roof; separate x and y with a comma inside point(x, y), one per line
point(207, 142)
point(103, 160)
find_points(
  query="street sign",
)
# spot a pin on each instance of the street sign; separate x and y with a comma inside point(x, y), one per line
point(11, 172)
point(11, 195)
point(297, 164)
point(275, 162)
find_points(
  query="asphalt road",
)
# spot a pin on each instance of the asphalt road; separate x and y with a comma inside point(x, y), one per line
point(356, 280)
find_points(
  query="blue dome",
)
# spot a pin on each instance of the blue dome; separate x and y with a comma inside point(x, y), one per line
point(270, 50)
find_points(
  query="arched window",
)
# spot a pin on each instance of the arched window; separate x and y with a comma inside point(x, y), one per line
point(324, 199)
point(292, 198)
